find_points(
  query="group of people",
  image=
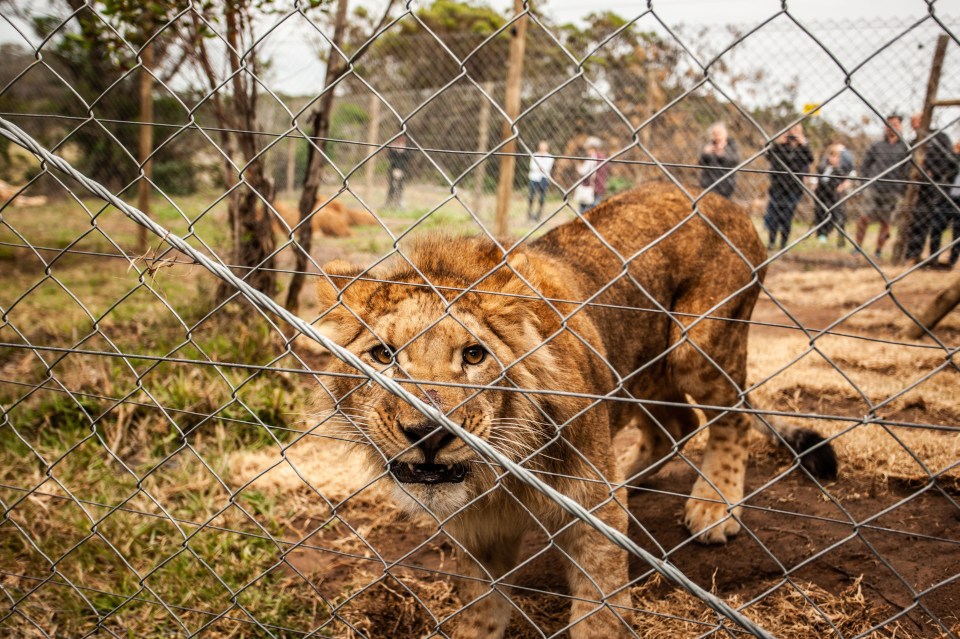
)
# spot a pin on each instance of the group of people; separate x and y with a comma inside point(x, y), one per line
point(591, 188)
point(885, 170)
point(591, 171)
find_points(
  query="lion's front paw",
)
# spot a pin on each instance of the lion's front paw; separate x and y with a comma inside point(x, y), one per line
point(701, 519)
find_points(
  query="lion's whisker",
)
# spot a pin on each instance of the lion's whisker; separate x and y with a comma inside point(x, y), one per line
point(520, 426)
point(518, 446)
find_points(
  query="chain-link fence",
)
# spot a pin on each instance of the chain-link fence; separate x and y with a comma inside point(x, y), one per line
point(517, 390)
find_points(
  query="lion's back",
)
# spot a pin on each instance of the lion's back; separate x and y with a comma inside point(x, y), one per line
point(659, 220)
point(639, 252)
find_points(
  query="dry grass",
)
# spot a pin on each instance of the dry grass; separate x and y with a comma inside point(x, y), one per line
point(786, 612)
point(900, 380)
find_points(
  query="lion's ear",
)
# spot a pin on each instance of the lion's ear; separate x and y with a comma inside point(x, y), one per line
point(523, 267)
point(336, 276)
point(519, 262)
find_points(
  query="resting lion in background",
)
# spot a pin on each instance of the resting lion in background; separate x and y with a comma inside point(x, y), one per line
point(331, 218)
point(546, 353)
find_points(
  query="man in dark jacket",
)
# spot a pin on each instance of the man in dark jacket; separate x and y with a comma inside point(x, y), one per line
point(939, 168)
point(398, 157)
point(951, 213)
point(716, 159)
point(885, 162)
point(788, 155)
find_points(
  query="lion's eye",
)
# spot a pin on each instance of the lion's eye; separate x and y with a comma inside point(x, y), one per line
point(382, 353)
point(475, 354)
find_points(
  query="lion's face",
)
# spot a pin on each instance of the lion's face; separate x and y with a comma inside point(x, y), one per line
point(462, 355)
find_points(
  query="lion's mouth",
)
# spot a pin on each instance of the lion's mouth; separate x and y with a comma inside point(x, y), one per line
point(428, 473)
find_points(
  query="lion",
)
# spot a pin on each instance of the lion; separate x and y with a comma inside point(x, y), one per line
point(545, 351)
point(330, 218)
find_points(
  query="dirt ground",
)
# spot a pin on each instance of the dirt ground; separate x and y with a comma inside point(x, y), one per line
point(875, 553)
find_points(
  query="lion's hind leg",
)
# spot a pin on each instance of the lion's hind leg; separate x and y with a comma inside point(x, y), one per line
point(709, 363)
point(711, 513)
point(662, 426)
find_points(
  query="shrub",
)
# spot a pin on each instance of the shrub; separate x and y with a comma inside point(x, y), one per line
point(175, 177)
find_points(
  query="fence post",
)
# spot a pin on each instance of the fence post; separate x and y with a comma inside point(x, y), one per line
point(291, 164)
point(908, 208)
point(373, 134)
point(511, 100)
point(483, 136)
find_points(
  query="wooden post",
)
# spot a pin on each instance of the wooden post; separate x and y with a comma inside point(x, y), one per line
point(511, 105)
point(651, 101)
point(909, 205)
point(942, 304)
point(483, 136)
point(649, 105)
point(146, 139)
point(373, 138)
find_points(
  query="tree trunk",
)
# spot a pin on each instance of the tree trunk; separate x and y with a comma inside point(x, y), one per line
point(146, 138)
point(249, 216)
point(511, 103)
point(320, 121)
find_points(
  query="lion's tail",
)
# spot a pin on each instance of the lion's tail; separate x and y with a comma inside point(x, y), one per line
point(815, 453)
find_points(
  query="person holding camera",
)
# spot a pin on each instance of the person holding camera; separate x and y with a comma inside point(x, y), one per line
point(593, 173)
point(951, 213)
point(833, 181)
point(717, 159)
point(788, 155)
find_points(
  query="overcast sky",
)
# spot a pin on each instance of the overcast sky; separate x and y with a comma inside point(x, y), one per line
point(743, 11)
point(850, 29)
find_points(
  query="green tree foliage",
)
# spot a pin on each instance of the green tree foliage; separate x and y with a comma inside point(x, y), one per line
point(95, 53)
point(442, 37)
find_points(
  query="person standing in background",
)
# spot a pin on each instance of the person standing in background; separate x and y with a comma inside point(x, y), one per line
point(398, 157)
point(881, 198)
point(788, 155)
point(541, 165)
point(939, 168)
point(716, 159)
point(950, 214)
point(593, 173)
point(833, 180)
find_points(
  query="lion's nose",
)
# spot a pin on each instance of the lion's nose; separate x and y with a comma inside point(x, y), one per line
point(429, 437)
point(432, 397)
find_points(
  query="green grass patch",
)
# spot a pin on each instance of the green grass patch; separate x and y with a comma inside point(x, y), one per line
point(111, 532)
